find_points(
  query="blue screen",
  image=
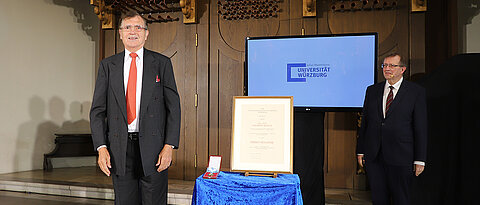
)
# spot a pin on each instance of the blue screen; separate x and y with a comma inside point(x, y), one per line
point(330, 72)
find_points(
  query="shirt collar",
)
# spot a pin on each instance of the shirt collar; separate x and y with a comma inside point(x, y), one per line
point(139, 53)
point(396, 86)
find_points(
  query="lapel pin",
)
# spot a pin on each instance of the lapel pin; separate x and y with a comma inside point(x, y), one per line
point(157, 80)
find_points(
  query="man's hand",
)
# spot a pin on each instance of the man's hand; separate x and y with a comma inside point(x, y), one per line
point(164, 158)
point(418, 169)
point(360, 160)
point(104, 160)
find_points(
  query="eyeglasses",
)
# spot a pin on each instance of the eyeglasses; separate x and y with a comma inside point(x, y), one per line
point(137, 28)
point(385, 65)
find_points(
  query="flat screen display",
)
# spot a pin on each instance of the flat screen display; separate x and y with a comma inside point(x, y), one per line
point(330, 72)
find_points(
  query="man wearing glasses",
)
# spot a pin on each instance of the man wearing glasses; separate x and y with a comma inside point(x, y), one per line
point(392, 139)
point(135, 117)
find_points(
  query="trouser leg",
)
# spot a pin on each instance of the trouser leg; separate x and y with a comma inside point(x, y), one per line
point(126, 187)
point(154, 188)
point(378, 181)
point(400, 182)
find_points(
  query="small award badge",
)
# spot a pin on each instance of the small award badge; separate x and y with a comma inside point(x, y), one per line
point(213, 167)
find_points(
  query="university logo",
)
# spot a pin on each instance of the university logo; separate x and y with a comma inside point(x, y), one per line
point(299, 72)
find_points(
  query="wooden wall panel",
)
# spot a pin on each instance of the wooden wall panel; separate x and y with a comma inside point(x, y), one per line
point(231, 84)
point(173, 44)
point(360, 22)
point(417, 46)
point(340, 143)
point(227, 50)
point(189, 116)
point(110, 37)
point(202, 87)
point(293, 14)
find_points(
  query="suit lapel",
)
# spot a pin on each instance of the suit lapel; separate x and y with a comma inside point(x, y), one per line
point(148, 81)
point(118, 84)
point(379, 95)
point(400, 94)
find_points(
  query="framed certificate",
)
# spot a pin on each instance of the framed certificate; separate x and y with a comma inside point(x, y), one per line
point(262, 134)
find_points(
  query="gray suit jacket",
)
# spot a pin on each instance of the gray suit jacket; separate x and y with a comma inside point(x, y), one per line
point(159, 118)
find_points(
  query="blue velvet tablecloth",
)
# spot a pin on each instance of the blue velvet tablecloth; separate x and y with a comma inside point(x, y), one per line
point(235, 188)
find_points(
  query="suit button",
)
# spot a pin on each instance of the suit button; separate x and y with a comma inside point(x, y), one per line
point(151, 115)
point(383, 123)
point(115, 135)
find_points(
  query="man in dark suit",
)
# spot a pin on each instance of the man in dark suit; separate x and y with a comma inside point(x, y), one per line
point(135, 117)
point(392, 140)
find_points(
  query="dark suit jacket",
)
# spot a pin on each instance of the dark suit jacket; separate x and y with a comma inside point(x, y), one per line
point(159, 118)
point(402, 134)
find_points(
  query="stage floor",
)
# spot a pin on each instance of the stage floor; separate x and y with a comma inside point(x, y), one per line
point(88, 185)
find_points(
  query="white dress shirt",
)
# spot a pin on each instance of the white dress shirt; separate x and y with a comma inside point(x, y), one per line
point(127, 60)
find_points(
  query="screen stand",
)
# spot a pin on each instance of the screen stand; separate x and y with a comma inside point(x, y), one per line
point(308, 155)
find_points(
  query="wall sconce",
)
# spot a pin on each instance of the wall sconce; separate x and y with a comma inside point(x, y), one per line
point(189, 11)
point(104, 13)
point(419, 5)
point(309, 8)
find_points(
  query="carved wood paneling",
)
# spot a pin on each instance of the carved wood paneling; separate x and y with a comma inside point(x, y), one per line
point(231, 84)
point(172, 44)
point(162, 40)
point(366, 21)
point(202, 89)
point(109, 42)
point(232, 31)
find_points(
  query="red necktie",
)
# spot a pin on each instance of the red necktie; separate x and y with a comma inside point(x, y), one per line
point(389, 99)
point(132, 90)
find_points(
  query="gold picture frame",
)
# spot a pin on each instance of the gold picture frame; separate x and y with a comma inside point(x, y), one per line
point(262, 134)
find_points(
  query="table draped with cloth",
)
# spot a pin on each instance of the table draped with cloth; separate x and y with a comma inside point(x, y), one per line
point(235, 188)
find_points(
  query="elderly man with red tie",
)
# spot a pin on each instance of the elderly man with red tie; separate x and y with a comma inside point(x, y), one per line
point(135, 117)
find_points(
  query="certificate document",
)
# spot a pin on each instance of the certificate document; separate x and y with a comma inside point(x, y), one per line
point(262, 134)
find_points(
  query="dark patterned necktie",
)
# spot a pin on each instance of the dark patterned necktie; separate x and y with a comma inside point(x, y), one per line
point(389, 99)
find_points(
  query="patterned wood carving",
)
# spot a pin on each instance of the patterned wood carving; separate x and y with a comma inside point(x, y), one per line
point(233, 33)
point(367, 21)
point(163, 41)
